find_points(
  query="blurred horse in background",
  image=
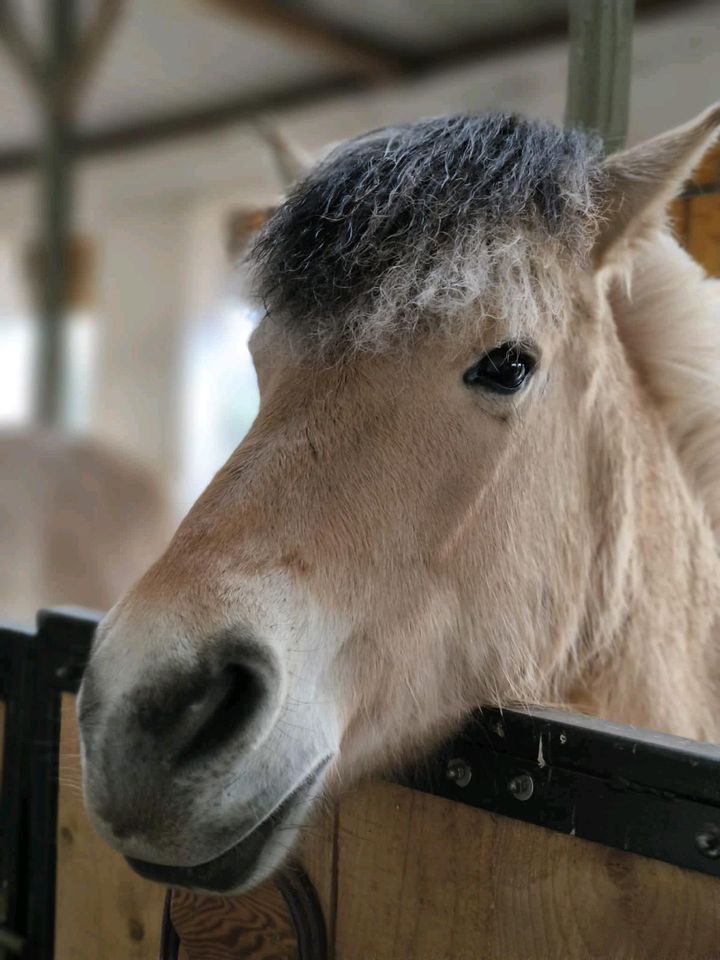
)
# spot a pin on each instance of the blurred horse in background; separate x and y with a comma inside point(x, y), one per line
point(78, 522)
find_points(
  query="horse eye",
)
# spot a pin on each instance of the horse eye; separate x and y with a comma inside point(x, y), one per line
point(503, 370)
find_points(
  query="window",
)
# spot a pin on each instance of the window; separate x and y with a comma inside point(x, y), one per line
point(19, 344)
point(220, 392)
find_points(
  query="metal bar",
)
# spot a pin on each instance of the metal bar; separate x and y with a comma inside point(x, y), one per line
point(635, 790)
point(63, 644)
point(44, 757)
point(16, 692)
point(56, 203)
point(35, 668)
point(599, 68)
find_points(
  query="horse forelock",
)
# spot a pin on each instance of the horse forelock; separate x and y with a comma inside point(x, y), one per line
point(409, 226)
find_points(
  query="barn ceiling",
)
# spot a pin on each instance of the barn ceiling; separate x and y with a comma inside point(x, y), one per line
point(174, 59)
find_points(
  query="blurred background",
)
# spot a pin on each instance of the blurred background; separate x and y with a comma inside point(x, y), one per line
point(139, 145)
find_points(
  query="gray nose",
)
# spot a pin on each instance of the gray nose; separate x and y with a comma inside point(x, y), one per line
point(184, 713)
point(167, 725)
point(228, 698)
point(198, 716)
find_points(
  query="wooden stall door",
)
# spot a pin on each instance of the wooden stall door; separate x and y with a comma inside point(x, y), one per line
point(403, 875)
point(422, 878)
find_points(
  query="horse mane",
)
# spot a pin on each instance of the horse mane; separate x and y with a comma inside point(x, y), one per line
point(667, 312)
point(408, 227)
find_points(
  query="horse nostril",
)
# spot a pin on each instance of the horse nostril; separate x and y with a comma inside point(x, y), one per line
point(229, 707)
point(231, 694)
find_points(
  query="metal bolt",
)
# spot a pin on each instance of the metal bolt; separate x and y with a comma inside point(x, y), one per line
point(707, 840)
point(459, 772)
point(521, 786)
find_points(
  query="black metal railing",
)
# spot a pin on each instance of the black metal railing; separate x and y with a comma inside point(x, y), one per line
point(36, 668)
point(624, 787)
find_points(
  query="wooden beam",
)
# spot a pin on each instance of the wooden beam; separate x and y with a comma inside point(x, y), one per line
point(186, 123)
point(357, 54)
point(90, 48)
point(204, 119)
point(599, 68)
point(27, 60)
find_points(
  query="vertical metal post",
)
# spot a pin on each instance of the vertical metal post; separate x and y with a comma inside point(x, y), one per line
point(56, 206)
point(599, 68)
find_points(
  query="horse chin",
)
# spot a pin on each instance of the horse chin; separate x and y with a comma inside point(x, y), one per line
point(254, 857)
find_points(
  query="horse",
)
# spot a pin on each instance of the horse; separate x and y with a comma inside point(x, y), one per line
point(79, 521)
point(485, 470)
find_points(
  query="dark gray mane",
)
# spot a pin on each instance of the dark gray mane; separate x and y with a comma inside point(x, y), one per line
point(393, 221)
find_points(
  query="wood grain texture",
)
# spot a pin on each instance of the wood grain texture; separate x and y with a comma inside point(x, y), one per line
point(317, 852)
point(679, 213)
point(256, 926)
point(703, 230)
point(707, 174)
point(104, 911)
point(420, 878)
point(696, 215)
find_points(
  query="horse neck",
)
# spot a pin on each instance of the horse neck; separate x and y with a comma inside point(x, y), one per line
point(649, 655)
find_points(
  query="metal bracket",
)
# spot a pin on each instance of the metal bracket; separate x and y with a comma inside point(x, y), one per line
point(631, 789)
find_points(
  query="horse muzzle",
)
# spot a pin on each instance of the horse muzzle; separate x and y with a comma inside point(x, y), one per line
point(201, 770)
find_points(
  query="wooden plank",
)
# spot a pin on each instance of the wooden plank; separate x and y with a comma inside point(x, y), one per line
point(708, 173)
point(317, 855)
point(103, 910)
point(703, 231)
point(695, 215)
point(299, 26)
point(427, 878)
point(257, 926)
point(679, 219)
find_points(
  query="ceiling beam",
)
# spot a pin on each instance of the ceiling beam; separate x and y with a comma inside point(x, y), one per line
point(347, 48)
point(187, 123)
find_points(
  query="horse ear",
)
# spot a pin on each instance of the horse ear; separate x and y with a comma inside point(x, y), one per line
point(241, 229)
point(291, 161)
point(641, 181)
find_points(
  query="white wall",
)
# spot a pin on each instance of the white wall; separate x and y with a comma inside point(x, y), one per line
point(141, 304)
